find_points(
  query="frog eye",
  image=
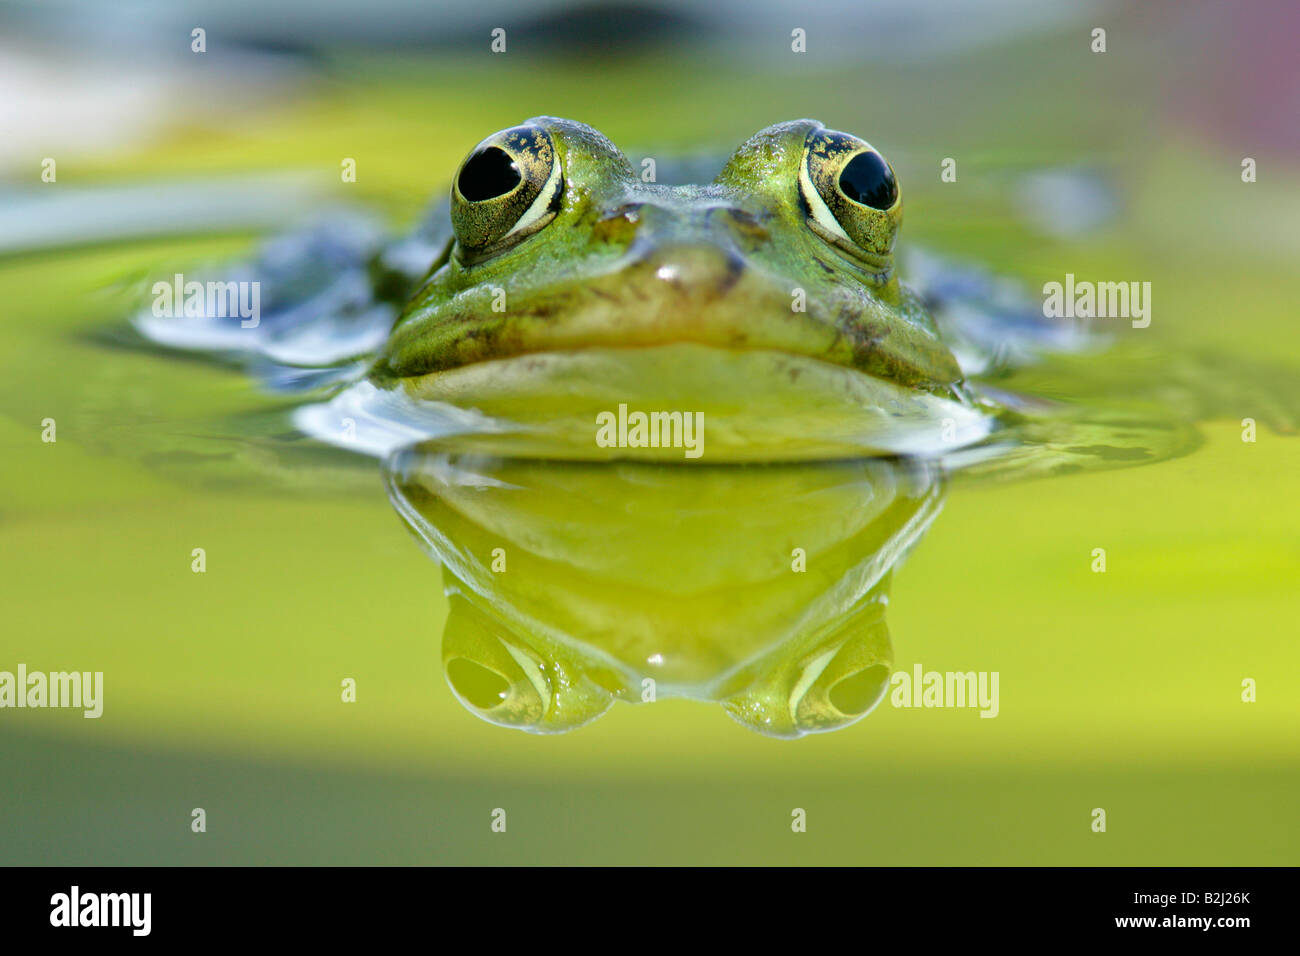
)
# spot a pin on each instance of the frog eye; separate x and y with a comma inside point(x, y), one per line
point(867, 180)
point(500, 676)
point(507, 188)
point(851, 195)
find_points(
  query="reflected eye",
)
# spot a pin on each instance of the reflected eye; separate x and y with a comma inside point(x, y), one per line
point(506, 189)
point(851, 197)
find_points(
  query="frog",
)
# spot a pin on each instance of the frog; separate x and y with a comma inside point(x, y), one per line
point(766, 303)
point(556, 287)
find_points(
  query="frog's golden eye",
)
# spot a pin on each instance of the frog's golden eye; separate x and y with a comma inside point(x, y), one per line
point(851, 195)
point(508, 187)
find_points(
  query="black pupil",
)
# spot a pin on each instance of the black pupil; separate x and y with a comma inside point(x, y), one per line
point(488, 174)
point(867, 179)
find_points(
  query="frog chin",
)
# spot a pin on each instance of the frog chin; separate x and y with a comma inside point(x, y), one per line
point(686, 401)
point(681, 402)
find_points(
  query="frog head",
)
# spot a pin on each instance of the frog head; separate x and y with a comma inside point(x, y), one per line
point(772, 288)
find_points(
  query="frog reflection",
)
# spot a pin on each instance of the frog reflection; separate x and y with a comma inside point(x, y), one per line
point(572, 585)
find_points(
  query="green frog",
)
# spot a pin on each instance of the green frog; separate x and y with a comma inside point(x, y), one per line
point(538, 358)
point(562, 304)
point(576, 310)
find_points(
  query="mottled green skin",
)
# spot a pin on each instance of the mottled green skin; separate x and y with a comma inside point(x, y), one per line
point(625, 263)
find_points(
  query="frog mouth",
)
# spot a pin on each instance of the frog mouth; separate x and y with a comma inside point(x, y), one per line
point(678, 294)
point(835, 333)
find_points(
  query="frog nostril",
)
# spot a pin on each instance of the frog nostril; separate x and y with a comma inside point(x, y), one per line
point(740, 222)
point(618, 226)
point(630, 211)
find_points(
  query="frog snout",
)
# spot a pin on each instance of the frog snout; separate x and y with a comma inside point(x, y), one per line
point(694, 249)
point(691, 264)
